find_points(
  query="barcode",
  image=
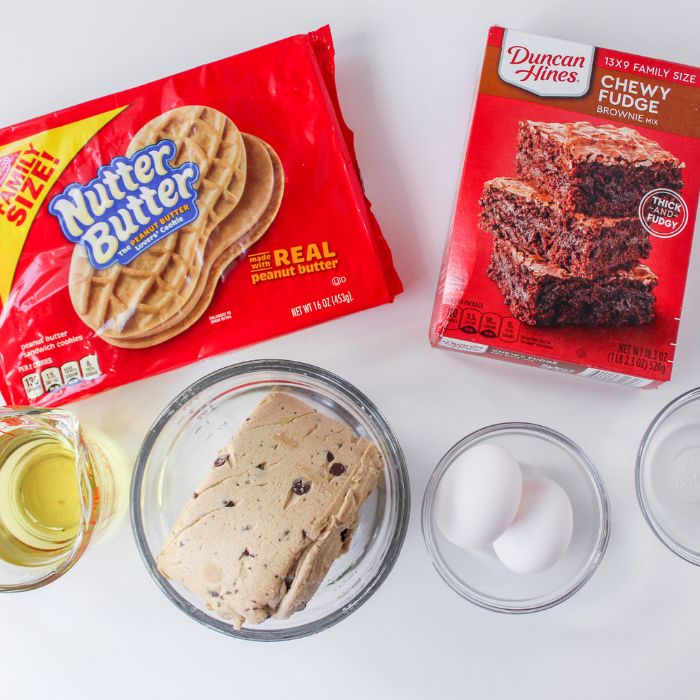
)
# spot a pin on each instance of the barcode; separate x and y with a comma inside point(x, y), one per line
point(615, 377)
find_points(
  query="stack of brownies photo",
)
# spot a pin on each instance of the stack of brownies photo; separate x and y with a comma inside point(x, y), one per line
point(567, 235)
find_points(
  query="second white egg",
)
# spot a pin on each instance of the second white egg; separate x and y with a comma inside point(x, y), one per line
point(542, 529)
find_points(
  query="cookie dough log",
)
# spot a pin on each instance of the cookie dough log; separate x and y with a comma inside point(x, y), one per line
point(275, 510)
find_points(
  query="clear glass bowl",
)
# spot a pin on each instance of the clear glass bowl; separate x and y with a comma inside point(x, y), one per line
point(668, 476)
point(202, 419)
point(478, 575)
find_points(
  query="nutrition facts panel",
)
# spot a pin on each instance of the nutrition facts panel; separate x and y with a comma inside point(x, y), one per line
point(471, 321)
point(53, 378)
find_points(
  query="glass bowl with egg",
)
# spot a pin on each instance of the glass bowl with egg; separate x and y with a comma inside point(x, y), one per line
point(515, 518)
point(193, 438)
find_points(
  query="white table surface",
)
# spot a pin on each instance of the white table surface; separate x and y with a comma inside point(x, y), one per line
point(407, 73)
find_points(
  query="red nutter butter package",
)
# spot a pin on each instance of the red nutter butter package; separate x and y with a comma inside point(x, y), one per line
point(574, 221)
point(148, 229)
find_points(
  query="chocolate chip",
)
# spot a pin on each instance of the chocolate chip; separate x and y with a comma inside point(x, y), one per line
point(329, 456)
point(245, 553)
point(261, 466)
point(337, 469)
point(303, 534)
point(229, 504)
point(344, 534)
point(288, 581)
point(300, 487)
point(220, 461)
point(214, 594)
point(195, 495)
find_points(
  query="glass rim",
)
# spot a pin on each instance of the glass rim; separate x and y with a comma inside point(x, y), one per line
point(685, 553)
point(359, 400)
point(445, 571)
point(87, 511)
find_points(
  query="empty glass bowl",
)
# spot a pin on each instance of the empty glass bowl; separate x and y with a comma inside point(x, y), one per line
point(668, 476)
point(184, 441)
point(478, 575)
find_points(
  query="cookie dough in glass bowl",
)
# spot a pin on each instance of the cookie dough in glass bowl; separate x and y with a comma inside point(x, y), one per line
point(184, 443)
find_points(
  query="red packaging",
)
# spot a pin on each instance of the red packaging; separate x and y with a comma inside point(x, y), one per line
point(574, 219)
point(151, 228)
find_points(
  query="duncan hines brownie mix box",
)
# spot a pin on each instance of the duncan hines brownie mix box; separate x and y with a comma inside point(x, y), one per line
point(574, 219)
point(151, 228)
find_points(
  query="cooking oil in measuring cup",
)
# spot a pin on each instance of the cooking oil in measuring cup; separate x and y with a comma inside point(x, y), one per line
point(60, 486)
point(40, 498)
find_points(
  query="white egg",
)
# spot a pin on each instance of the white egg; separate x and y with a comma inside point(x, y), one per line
point(478, 496)
point(542, 529)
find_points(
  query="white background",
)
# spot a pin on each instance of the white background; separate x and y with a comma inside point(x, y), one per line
point(407, 73)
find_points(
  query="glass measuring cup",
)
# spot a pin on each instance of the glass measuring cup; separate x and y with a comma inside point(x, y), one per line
point(60, 487)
